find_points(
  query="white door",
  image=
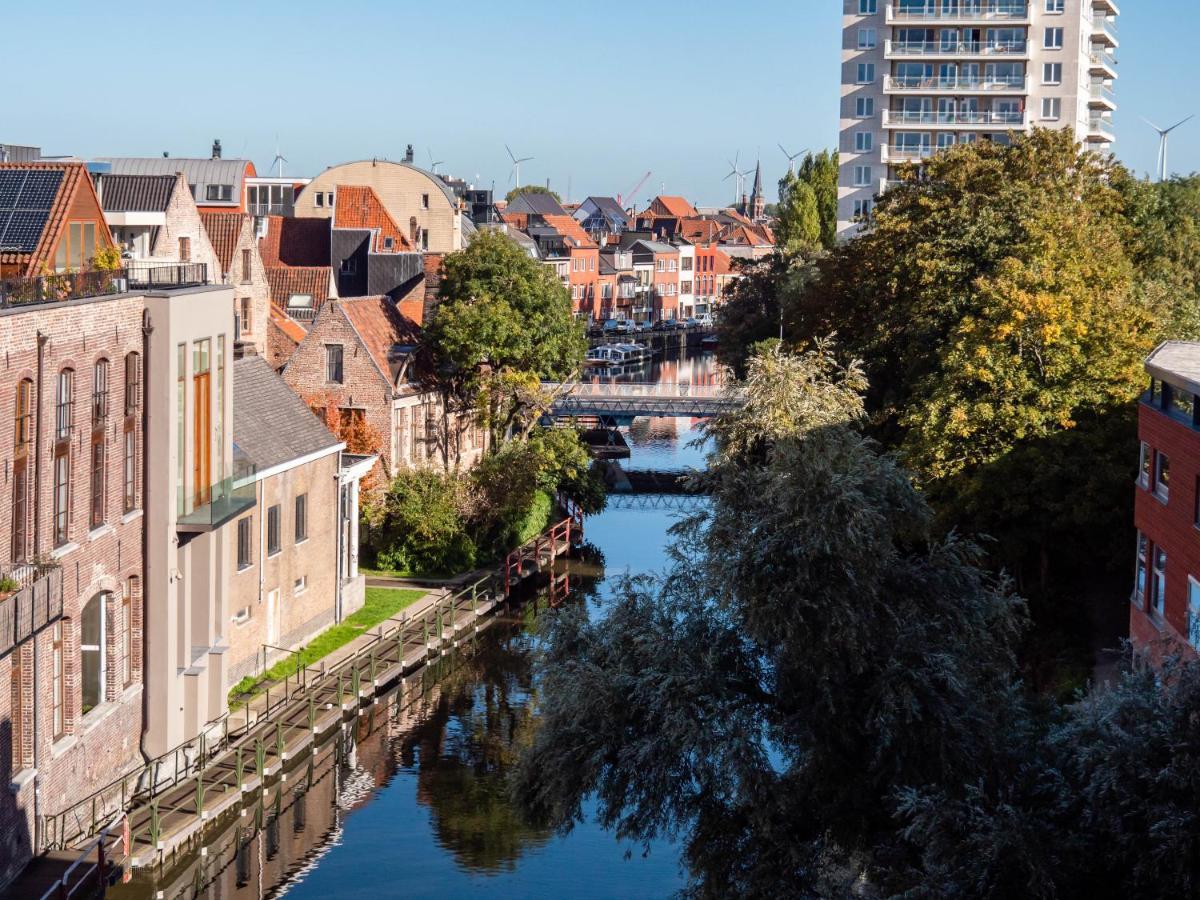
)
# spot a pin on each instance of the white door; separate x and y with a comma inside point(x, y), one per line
point(273, 617)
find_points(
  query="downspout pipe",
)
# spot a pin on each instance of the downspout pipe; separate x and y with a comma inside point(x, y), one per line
point(147, 331)
point(42, 340)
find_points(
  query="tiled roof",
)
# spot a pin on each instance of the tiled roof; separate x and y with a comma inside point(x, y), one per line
point(295, 242)
point(287, 324)
point(74, 178)
point(721, 263)
point(703, 231)
point(380, 328)
point(536, 202)
point(224, 232)
point(136, 193)
point(285, 281)
point(569, 228)
point(271, 424)
point(675, 206)
point(359, 207)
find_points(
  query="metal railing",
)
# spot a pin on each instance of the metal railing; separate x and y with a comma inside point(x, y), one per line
point(956, 48)
point(983, 84)
point(960, 117)
point(1102, 58)
point(956, 12)
point(1105, 25)
point(56, 288)
point(1101, 91)
point(301, 313)
point(151, 276)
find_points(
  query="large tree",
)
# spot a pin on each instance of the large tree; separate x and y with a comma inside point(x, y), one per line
point(531, 189)
point(797, 218)
point(503, 324)
point(820, 172)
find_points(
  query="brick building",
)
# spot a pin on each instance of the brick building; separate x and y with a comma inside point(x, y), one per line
point(1164, 613)
point(241, 265)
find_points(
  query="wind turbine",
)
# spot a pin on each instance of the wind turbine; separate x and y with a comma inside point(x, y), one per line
point(516, 166)
point(791, 158)
point(1162, 144)
point(736, 175)
point(432, 164)
point(278, 161)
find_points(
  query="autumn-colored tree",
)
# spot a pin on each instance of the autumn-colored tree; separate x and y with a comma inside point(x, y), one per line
point(352, 428)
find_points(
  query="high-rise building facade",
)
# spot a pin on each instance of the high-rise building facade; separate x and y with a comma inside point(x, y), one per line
point(919, 76)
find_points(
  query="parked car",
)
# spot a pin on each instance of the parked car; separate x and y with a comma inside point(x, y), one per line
point(705, 320)
point(692, 323)
point(619, 326)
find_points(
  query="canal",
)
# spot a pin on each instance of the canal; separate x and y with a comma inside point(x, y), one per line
point(414, 803)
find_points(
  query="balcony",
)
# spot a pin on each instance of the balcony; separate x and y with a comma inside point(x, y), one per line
point(964, 13)
point(1108, 6)
point(18, 292)
point(1102, 63)
point(36, 603)
point(1100, 130)
point(955, 49)
point(959, 120)
point(1102, 95)
point(1104, 30)
point(936, 84)
point(228, 498)
point(909, 153)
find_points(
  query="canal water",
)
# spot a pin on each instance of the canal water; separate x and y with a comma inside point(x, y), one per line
point(416, 803)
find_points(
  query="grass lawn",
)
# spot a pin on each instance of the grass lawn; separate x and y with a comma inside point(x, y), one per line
point(380, 604)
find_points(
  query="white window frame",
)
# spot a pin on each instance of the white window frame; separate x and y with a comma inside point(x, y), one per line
point(1145, 465)
point(866, 73)
point(1052, 109)
point(867, 38)
point(868, 7)
point(864, 141)
point(1052, 38)
point(1052, 73)
point(1055, 7)
point(1158, 582)
point(864, 107)
point(1193, 613)
point(862, 176)
point(1162, 489)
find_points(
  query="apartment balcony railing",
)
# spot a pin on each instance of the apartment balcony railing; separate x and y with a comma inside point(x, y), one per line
point(1110, 6)
point(1101, 129)
point(955, 48)
point(227, 499)
point(37, 603)
point(1105, 28)
point(907, 153)
point(1102, 93)
point(968, 11)
point(1103, 62)
point(986, 84)
point(17, 292)
point(960, 118)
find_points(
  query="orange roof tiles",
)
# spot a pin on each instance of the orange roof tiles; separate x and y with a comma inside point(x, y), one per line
point(359, 207)
point(673, 206)
point(569, 228)
point(289, 326)
point(224, 232)
point(703, 231)
point(380, 328)
point(285, 281)
point(295, 242)
point(74, 179)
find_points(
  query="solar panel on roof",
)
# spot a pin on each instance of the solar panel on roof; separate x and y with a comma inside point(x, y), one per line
point(39, 190)
point(10, 186)
point(23, 230)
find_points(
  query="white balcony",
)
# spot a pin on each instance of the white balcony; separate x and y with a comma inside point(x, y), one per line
point(964, 12)
point(1102, 63)
point(1108, 6)
point(1100, 130)
point(955, 49)
point(1102, 96)
point(897, 154)
point(1002, 85)
point(958, 121)
point(1104, 31)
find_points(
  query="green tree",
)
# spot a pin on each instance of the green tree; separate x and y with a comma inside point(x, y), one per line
point(502, 325)
point(820, 172)
point(1163, 246)
point(798, 221)
point(531, 189)
point(814, 649)
point(421, 524)
point(767, 301)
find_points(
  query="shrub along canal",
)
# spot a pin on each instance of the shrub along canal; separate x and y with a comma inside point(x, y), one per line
point(413, 800)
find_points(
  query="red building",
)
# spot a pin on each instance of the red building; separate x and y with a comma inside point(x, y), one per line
point(1164, 613)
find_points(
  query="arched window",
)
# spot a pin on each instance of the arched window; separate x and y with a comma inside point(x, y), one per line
point(21, 484)
point(92, 651)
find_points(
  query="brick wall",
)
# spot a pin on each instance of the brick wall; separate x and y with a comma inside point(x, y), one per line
point(251, 284)
point(183, 220)
point(98, 746)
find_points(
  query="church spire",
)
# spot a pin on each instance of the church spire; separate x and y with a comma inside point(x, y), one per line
point(758, 203)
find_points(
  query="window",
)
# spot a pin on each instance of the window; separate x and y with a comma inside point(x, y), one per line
point(245, 557)
point(300, 301)
point(246, 321)
point(866, 73)
point(864, 107)
point(329, 199)
point(319, 199)
point(22, 444)
point(1053, 39)
point(127, 632)
point(863, 141)
point(273, 530)
point(219, 192)
point(1055, 6)
point(301, 518)
point(389, 243)
point(1052, 73)
point(243, 614)
point(129, 471)
point(349, 266)
point(862, 176)
point(300, 585)
point(1159, 589)
point(91, 652)
point(1182, 404)
point(62, 495)
point(1193, 613)
point(868, 7)
point(1162, 475)
point(100, 391)
point(202, 442)
point(64, 412)
point(18, 715)
point(58, 681)
point(1139, 578)
point(180, 426)
point(1051, 107)
point(1145, 457)
point(862, 209)
point(424, 201)
point(866, 39)
point(96, 519)
point(133, 383)
point(333, 363)
point(247, 270)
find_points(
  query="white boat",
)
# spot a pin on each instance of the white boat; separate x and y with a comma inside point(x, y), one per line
point(608, 355)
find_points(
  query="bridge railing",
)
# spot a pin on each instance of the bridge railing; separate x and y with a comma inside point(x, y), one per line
point(626, 389)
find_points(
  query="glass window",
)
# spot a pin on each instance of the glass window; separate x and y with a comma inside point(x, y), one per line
point(273, 545)
point(333, 363)
point(864, 107)
point(91, 652)
point(863, 141)
point(1145, 458)
point(58, 680)
point(1055, 6)
point(245, 543)
point(866, 39)
point(1139, 581)
point(301, 518)
point(868, 7)
point(1052, 73)
point(1193, 613)
point(127, 632)
point(96, 518)
point(1159, 594)
point(129, 471)
point(1053, 39)
point(866, 73)
point(1052, 108)
point(1162, 475)
point(1182, 403)
point(64, 412)
point(862, 176)
point(133, 383)
point(62, 496)
point(862, 209)
point(100, 390)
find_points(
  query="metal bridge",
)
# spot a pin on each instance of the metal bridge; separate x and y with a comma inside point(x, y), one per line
point(626, 400)
point(669, 502)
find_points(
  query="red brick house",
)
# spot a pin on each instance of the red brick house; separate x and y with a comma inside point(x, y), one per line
point(236, 247)
point(1164, 614)
point(584, 275)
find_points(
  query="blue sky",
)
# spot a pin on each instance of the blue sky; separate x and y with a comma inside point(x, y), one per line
point(598, 93)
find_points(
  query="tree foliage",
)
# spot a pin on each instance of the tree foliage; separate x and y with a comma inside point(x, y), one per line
point(797, 218)
point(820, 172)
point(531, 189)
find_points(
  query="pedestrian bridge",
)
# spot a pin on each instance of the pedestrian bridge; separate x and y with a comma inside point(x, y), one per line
point(625, 400)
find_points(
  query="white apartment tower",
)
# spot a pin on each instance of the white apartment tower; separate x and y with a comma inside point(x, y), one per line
point(921, 75)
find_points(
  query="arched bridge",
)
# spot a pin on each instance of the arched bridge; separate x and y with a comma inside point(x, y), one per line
point(625, 400)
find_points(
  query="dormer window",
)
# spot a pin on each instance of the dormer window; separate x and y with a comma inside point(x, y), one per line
point(300, 301)
point(219, 192)
point(388, 243)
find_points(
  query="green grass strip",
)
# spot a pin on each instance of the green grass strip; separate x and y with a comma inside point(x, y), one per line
point(381, 603)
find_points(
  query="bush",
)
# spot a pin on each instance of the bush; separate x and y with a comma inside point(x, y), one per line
point(422, 525)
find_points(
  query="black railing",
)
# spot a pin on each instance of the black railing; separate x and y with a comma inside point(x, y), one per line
point(15, 292)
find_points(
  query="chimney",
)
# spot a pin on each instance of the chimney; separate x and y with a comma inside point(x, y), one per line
point(216, 153)
point(408, 154)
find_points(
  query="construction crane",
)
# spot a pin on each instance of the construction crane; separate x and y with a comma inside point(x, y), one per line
point(633, 190)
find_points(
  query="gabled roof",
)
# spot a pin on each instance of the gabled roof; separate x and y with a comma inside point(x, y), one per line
point(200, 173)
point(535, 202)
point(295, 242)
point(704, 231)
point(271, 424)
point(654, 247)
point(609, 208)
point(287, 324)
point(358, 207)
point(224, 232)
point(722, 264)
point(284, 281)
point(570, 229)
point(381, 329)
point(672, 206)
point(35, 198)
point(136, 193)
